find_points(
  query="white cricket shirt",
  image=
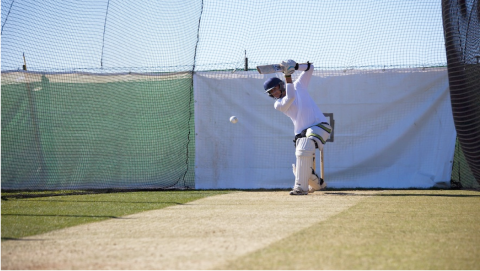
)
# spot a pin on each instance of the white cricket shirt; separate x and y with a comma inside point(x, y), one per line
point(299, 105)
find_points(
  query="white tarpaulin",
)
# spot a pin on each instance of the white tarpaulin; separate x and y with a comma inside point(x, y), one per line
point(393, 129)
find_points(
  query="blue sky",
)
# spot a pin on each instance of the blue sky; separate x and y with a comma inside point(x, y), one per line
point(66, 35)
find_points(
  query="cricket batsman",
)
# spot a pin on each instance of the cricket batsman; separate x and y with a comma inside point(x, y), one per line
point(311, 127)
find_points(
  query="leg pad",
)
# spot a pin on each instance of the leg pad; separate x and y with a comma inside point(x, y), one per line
point(305, 151)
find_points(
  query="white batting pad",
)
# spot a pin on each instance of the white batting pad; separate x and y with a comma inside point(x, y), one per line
point(304, 152)
point(313, 181)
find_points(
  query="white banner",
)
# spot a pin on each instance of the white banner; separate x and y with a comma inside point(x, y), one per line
point(392, 129)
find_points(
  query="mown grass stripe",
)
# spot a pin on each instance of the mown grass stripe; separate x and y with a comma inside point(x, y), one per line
point(395, 230)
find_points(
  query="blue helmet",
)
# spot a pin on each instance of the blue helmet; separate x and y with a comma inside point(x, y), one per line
point(271, 83)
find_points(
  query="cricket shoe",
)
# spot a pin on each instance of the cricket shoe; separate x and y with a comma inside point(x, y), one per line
point(298, 191)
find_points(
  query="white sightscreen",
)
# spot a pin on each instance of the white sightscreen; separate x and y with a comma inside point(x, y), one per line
point(393, 129)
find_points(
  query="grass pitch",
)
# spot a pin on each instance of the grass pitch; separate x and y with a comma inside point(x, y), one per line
point(23, 217)
point(402, 229)
point(421, 229)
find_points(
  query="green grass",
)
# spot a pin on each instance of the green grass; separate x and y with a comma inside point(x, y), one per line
point(402, 229)
point(395, 230)
point(31, 216)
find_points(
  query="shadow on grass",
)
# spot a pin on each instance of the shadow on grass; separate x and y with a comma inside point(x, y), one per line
point(108, 201)
point(400, 195)
point(428, 195)
point(89, 216)
point(22, 194)
point(20, 239)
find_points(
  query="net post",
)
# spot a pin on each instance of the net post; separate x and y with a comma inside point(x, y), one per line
point(246, 61)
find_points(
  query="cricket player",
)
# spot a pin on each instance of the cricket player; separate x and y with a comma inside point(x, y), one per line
point(311, 127)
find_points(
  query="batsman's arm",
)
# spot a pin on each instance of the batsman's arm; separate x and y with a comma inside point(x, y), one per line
point(288, 79)
point(284, 104)
point(304, 78)
point(304, 66)
point(290, 66)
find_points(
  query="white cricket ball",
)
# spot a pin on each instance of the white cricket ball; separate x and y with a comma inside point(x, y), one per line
point(233, 119)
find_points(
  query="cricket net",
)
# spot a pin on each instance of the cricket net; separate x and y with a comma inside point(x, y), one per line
point(100, 94)
point(461, 20)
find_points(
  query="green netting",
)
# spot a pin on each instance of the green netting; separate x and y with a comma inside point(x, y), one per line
point(101, 133)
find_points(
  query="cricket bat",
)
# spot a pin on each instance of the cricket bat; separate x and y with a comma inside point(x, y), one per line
point(272, 68)
point(321, 165)
point(322, 170)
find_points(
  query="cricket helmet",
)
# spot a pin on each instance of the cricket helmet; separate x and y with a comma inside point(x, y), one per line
point(271, 83)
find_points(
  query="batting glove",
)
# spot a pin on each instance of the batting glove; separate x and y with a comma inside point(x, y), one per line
point(288, 67)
